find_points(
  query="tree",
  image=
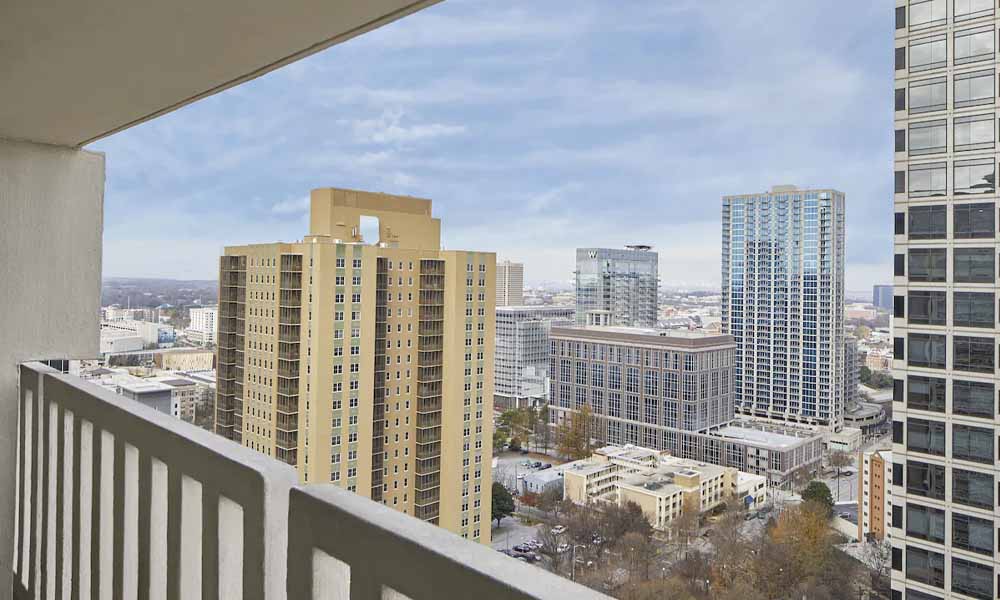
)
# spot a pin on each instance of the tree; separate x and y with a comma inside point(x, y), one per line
point(617, 521)
point(862, 332)
point(839, 460)
point(684, 527)
point(515, 444)
point(549, 499)
point(817, 492)
point(875, 558)
point(638, 553)
point(503, 502)
point(543, 432)
point(573, 435)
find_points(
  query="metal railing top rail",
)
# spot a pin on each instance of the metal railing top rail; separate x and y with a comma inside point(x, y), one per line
point(439, 564)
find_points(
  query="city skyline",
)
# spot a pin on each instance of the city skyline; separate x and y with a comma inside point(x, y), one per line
point(564, 132)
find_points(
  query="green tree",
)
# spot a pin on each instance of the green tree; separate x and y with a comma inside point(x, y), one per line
point(819, 493)
point(573, 436)
point(503, 502)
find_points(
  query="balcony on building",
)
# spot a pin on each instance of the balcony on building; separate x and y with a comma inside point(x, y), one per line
point(100, 496)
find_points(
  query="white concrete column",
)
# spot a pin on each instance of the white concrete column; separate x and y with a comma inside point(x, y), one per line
point(51, 222)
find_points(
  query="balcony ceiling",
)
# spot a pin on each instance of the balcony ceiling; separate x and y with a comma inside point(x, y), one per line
point(74, 71)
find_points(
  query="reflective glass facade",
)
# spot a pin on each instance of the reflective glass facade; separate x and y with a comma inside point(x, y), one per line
point(945, 410)
point(783, 302)
point(622, 282)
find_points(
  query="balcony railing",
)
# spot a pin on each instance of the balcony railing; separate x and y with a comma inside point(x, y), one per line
point(117, 500)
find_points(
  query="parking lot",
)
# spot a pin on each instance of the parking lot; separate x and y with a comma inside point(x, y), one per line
point(510, 466)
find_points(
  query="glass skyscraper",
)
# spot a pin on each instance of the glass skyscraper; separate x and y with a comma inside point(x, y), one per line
point(945, 509)
point(783, 302)
point(617, 286)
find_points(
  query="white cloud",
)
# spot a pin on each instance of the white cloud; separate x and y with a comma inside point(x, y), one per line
point(388, 128)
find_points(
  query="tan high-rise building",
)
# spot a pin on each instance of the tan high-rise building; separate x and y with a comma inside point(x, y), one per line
point(365, 363)
point(510, 283)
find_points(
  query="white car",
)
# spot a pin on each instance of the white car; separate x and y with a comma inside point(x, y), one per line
point(558, 529)
point(562, 548)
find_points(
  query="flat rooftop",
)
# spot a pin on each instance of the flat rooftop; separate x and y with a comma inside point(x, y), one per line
point(646, 336)
point(771, 439)
point(144, 386)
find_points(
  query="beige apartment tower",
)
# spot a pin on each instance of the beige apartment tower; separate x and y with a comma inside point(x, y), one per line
point(365, 363)
point(510, 283)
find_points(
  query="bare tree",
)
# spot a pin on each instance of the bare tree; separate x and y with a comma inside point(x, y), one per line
point(875, 556)
point(839, 460)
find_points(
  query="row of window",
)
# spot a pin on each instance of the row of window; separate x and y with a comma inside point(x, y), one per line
point(930, 351)
point(930, 265)
point(976, 88)
point(970, 45)
point(924, 14)
point(968, 398)
point(927, 180)
point(969, 221)
point(974, 444)
point(928, 567)
point(928, 480)
point(971, 132)
point(968, 533)
point(969, 309)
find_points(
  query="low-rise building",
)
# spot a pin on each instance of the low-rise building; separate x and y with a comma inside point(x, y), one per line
point(114, 341)
point(875, 498)
point(184, 397)
point(539, 482)
point(154, 394)
point(204, 327)
point(848, 439)
point(664, 486)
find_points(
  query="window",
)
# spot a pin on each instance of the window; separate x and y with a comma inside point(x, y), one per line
point(928, 222)
point(929, 179)
point(927, 13)
point(973, 45)
point(974, 89)
point(900, 140)
point(900, 99)
point(974, 309)
point(899, 265)
point(973, 354)
point(974, 444)
point(925, 566)
point(929, 137)
point(928, 95)
point(898, 348)
point(928, 308)
point(975, 132)
point(899, 182)
point(899, 224)
point(928, 264)
point(925, 523)
point(973, 265)
point(972, 398)
point(901, 59)
point(973, 221)
point(972, 488)
point(926, 54)
point(925, 479)
point(899, 307)
point(972, 579)
point(900, 17)
point(927, 350)
point(972, 533)
point(972, 9)
point(897, 390)
point(975, 176)
point(925, 436)
point(926, 393)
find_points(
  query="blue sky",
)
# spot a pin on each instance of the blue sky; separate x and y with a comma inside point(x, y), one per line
point(536, 127)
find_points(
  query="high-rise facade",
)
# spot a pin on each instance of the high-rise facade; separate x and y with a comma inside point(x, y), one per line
point(945, 471)
point(522, 353)
point(510, 283)
point(882, 297)
point(852, 371)
point(617, 286)
point(365, 363)
point(783, 303)
point(203, 324)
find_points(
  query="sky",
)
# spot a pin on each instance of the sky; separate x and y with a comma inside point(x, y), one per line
point(536, 128)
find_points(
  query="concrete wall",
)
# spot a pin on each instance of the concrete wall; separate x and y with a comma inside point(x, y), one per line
point(51, 221)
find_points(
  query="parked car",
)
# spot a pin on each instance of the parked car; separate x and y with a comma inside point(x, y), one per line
point(522, 548)
point(536, 464)
point(562, 548)
point(558, 529)
point(546, 466)
point(526, 463)
point(524, 450)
